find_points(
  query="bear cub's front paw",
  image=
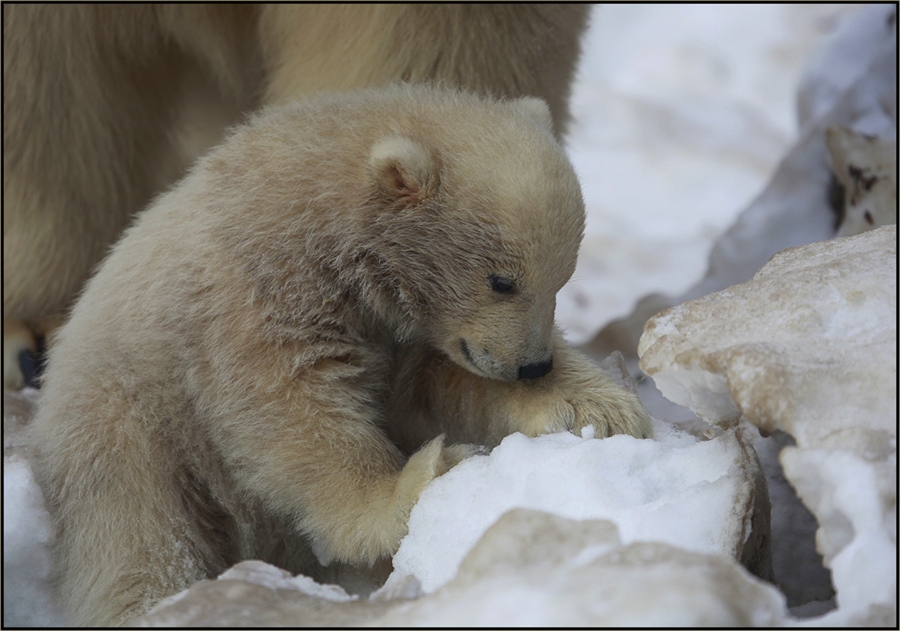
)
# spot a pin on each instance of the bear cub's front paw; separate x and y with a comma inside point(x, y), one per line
point(608, 416)
point(599, 403)
point(429, 462)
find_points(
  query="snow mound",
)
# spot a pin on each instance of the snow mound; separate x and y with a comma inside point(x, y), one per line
point(529, 569)
point(809, 347)
point(675, 489)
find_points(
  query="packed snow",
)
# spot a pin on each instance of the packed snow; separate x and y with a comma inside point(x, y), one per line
point(809, 347)
point(681, 115)
point(808, 343)
point(530, 568)
point(533, 568)
point(673, 489)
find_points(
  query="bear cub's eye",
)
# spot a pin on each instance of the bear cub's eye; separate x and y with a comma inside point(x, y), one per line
point(502, 285)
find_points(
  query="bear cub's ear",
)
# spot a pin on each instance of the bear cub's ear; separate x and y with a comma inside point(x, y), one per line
point(535, 109)
point(404, 169)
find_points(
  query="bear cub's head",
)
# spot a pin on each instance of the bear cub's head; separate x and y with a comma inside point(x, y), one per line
point(476, 218)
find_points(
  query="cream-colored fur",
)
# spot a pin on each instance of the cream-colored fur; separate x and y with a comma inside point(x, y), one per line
point(106, 105)
point(287, 342)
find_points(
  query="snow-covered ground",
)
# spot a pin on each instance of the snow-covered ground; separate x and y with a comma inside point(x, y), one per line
point(681, 116)
point(682, 113)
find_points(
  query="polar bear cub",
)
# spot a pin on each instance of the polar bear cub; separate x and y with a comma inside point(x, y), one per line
point(289, 345)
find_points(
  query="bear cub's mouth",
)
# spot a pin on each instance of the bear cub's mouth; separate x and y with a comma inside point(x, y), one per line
point(468, 355)
point(497, 373)
point(496, 370)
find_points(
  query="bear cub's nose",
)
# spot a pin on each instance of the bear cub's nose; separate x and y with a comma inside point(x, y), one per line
point(534, 371)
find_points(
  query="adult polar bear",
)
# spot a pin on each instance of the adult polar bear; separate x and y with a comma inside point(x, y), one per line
point(104, 106)
point(279, 348)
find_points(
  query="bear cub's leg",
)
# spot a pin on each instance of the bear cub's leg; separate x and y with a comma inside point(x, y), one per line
point(327, 464)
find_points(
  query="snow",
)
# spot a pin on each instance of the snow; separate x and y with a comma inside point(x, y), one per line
point(793, 208)
point(676, 129)
point(681, 116)
point(809, 347)
point(808, 344)
point(27, 599)
point(834, 65)
point(530, 568)
point(533, 568)
point(674, 489)
point(269, 576)
point(858, 513)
